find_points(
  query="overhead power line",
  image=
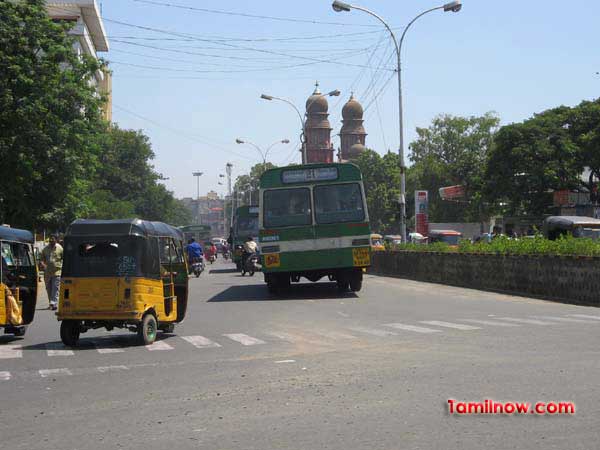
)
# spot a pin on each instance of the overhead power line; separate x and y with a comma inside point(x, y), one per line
point(252, 16)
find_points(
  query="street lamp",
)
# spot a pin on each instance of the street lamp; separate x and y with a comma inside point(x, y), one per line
point(265, 153)
point(197, 175)
point(334, 93)
point(454, 6)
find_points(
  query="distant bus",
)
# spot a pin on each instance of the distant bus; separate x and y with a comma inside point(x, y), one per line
point(314, 223)
point(245, 223)
point(201, 233)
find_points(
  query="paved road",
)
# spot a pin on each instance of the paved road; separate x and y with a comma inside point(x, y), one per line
point(312, 370)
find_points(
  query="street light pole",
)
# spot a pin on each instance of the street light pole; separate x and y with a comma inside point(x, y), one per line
point(265, 153)
point(334, 93)
point(228, 168)
point(454, 6)
point(197, 175)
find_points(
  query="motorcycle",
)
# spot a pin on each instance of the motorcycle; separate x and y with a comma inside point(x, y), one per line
point(251, 264)
point(212, 258)
point(198, 267)
point(226, 255)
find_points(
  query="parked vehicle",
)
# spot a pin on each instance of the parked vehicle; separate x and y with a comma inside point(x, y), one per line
point(578, 226)
point(127, 274)
point(392, 240)
point(314, 223)
point(449, 237)
point(377, 243)
point(18, 280)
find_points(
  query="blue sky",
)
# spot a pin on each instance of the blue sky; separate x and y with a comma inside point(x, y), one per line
point(194, 87)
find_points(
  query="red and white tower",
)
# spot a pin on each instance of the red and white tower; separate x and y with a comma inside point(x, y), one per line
point(318, 129)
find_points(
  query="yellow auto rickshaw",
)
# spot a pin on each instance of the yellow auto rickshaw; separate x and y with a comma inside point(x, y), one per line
point(129, 274)
point(377, 243)
point(18, 285)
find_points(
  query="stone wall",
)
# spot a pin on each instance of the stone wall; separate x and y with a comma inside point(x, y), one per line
point(568, 279)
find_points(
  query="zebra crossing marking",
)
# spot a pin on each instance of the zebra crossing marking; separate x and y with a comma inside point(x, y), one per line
point(58, 349)
point(416, 329)
point(335, 335)
point(373, 331)
point(455, 326)
point(564, 319)
point(244, 339)
point(45, 373)
point(200, 341)
point(526, 321)
point(490, 323)
point(295, 338)
point(159, 345)
point(11, 351)
point(585, 316)
point(108, 347)
point(5, 376)
point(104, 369)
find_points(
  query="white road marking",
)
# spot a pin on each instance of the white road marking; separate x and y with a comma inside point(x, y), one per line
point(104, 369)
point(200, 341)
point(585, 316)
point(285, 361)
point(159, 345)
point(401, 326)
point(373, 331)
point(44, 373)
point(105, 347)
point(11, 351)
point(527, 321)
point(335, 335)
point(456, 326)
point(4, 376)
point(564, 319)
point(490, 322)
point(58, 349)
point(343, 314)
point(244, 339)
point(295, 338)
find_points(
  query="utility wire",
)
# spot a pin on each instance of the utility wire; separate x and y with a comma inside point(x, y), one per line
point(181, 133)
point(252, 16)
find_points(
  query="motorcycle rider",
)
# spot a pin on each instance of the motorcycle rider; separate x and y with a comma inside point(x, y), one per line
point(250, 248)
point(194, 252)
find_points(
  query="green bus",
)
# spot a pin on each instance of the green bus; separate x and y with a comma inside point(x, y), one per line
point(314, 223)
point(245, 223)
point(201, 233)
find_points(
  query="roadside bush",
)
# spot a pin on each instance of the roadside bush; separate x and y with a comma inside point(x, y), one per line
point(538, 245)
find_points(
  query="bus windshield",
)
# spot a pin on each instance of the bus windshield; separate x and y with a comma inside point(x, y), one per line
point(339, 203)
point(287, 207)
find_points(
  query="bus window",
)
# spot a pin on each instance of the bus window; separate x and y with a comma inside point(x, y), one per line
point(339, 203)
point(287, 207)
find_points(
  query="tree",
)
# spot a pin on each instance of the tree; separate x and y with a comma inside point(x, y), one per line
point(49, 116)
point(453, 150)
point(249, 184)
point(529, 160)
point(381, 178)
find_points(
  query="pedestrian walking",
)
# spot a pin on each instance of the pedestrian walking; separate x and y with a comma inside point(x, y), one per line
point(51, 261)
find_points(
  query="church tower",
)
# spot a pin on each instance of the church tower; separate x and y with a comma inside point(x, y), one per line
point(317, 129)
point(352, 134)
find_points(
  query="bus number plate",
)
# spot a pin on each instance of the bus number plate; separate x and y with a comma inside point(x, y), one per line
point(272, 260)
point(361, 257)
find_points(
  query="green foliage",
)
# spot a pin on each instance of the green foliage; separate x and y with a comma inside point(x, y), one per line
point(249, 184)
point(453, 150)
point(502, 245)
point(381, 177)
point(49, 117)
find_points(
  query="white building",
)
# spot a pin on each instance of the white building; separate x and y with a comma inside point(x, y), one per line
point(91, 37)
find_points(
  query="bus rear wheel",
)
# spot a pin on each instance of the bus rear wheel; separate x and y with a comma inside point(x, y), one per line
point(356, 281)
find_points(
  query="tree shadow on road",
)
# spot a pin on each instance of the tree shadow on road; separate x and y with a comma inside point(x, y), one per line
point(259, 292)
point(109, 342)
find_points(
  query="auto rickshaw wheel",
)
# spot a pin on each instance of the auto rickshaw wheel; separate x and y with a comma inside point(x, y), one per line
point(69, 332)
point(19, 331)
point(147, 329)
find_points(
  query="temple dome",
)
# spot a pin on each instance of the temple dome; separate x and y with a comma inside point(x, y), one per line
point(355, 151)
point(352, 110)
point(317, 103)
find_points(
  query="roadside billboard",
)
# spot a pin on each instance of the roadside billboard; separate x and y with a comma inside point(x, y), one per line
point(421, 212)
